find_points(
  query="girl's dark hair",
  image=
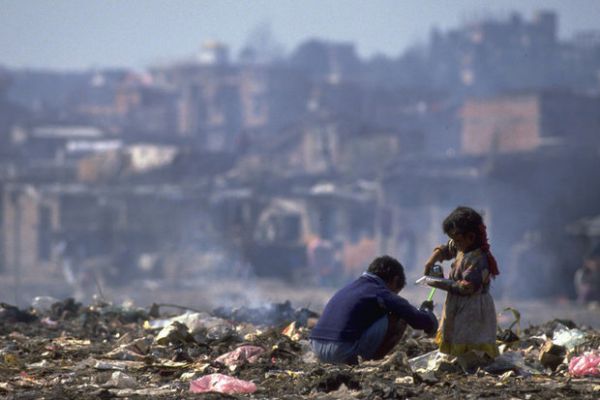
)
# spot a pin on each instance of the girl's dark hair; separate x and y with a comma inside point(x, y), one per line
point(387, 268)
point(462, 220)
point(466, 220)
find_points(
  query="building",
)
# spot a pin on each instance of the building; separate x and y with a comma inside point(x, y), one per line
point(529, 121)
point(493, 54)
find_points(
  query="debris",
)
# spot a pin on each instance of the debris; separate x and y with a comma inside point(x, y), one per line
point(221, 384)
point(241, 355)
point(552, 355)
point(107, 351)
point(273, 314)
point(569, 338)
point(43, 304)
point(214, 327)
point(405, 380)
point(473, 359)
point(292, 331)
point(427, 362)
point(9, 313)
point(151, 393)
point(511, 361)
point(120, 380)
point(174, 333)
point(49, 322)
point(587, 364)
point(507, 336)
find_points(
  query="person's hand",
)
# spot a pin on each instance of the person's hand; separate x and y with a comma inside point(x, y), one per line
point(427, 305)
point(436, 271)
point(428, 265)
point(435, 257)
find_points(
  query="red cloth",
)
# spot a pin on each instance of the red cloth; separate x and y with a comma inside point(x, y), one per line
point(493, 265)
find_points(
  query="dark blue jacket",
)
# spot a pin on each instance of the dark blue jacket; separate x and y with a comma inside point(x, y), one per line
point(358, 305)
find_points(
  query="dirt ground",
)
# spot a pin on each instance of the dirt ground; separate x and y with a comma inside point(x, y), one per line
point(103, 351)
point(115, 347)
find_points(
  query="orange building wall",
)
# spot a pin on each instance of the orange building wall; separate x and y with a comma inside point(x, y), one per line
point(503, 125)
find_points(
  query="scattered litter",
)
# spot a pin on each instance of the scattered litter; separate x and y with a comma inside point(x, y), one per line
point(216, 328)
point(241, 355)
point(108, 351)
point(121, 380)
point(165, 390)
point(508, 335)
point(405, 380)
point(587, 364)
point(174, 333)
point(427, 362)
point(43, 304)
point(292, 331)
point(221, 384)
point(49, 322)
point(552, 355)
point(569, 338)
point(473, 359)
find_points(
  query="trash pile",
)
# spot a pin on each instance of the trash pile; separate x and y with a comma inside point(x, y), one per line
point(62, 349)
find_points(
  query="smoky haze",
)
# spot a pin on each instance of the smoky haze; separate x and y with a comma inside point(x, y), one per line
point(239, 178)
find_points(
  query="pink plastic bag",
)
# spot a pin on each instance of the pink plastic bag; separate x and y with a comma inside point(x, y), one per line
point(221, 384)
point(240, 355)
point(586, 364)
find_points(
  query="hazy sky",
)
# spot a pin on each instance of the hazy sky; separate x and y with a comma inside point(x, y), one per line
point(76, 34)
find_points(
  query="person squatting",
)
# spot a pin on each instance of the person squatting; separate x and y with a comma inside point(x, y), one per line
point(367, 318)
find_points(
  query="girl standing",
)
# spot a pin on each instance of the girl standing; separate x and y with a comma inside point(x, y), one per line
point(469, 316)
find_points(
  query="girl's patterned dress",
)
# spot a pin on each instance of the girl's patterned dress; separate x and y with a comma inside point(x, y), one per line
point(469, 316)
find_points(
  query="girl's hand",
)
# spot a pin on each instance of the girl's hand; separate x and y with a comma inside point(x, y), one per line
point(435, 257)
point(428, 265)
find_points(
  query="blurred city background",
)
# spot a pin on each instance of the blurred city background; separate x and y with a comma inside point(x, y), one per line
point(224, 153)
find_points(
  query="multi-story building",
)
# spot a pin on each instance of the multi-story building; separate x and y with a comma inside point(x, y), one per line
point(491, 55)
point(528, 121)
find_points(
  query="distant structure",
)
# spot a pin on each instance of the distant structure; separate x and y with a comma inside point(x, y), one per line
point(331, 62)
point(528, 121)
point(317, 159)
point(213, 52)
point(492, 55)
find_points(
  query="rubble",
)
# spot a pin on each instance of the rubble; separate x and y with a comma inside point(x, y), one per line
point(105, 351)
point(552, 355)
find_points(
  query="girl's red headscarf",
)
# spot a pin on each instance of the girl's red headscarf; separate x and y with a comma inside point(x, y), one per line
point(485, 246)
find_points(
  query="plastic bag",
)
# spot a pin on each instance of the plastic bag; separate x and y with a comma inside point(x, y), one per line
point(511, 361)
point(43, 304)
point(216, 328)
point(570, 338)
point(240, 355)
point(586, 364)
point(428, 361)
point(221, 384)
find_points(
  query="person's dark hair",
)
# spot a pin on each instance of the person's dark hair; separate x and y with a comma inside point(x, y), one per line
point(387, 268)
point(465, 220)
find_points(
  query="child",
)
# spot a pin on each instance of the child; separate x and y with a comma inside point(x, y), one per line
point(469, 316)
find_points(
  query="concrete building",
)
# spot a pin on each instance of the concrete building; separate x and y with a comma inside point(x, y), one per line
point(529, 121)
point(493, 54)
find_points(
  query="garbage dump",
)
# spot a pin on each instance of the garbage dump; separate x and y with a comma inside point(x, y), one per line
point(100, 351)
